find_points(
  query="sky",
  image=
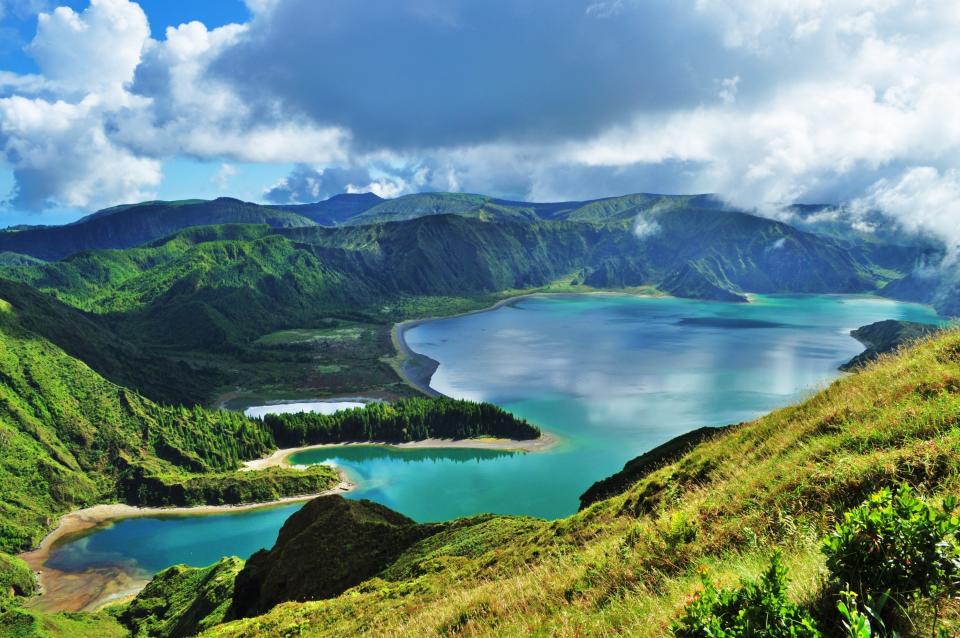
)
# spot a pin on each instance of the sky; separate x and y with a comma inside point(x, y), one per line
point(764, 102)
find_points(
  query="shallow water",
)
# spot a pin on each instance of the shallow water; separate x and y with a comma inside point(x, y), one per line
point(612, 376)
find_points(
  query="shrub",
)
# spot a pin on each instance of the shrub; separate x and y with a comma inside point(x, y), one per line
point(756, 609)
point(897, 548)
point(15, 577)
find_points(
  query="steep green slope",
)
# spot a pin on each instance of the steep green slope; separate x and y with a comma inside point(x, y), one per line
point(93, 339)
point(627, 565)
point(323, 549)
point(127, 226)
point(182, 601)
point(69, 438)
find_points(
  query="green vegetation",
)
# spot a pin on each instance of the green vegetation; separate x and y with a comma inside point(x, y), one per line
point(314, 337)
point(896, 552)
point(630, 564)
point(232, 301)
point(755, 608)
point(882, 337)
point(155, 483)
point(226, 302)
point(93, 339)
point(18, 622)
point(182, 601)
point(638, 468)
point(69, 439)
point(16, 579)
point(411, 419)
point(331, 544)
point(133, 225)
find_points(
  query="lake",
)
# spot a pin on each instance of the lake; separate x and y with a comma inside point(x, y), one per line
point(611, 375)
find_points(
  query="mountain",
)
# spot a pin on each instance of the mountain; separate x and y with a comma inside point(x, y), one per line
point(425, 204)
point(220, 287)
point(336, 210)
point(630, 562)
point(133, 225)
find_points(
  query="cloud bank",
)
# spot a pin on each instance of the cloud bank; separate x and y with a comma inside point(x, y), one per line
point(853, 102)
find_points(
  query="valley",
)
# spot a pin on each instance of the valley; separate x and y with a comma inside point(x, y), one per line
point(549, 317)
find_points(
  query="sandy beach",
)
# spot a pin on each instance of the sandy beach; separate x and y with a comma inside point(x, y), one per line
point(543, 442)
point(93, 588)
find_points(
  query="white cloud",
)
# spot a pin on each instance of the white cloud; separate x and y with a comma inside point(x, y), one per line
point(728, 89)
point(923, 201)
point(60, 154)
point(95, 50)
point(644, 227)
point(224, 174)
point(766, 103)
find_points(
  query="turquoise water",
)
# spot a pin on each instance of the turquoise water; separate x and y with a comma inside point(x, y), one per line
point(612, 376)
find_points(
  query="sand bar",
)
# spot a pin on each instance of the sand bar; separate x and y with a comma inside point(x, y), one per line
point(539, 444)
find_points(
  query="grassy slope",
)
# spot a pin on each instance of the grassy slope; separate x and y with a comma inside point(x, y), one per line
point(182, 601)
point(626, 565)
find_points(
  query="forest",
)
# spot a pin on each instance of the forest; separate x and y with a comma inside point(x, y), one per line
point(405, 420)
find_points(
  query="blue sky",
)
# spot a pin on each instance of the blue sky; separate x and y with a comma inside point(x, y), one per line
point(851, 102)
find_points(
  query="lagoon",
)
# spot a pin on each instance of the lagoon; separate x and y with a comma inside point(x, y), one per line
point(611, 375)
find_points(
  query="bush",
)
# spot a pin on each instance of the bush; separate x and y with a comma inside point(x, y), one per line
point(896, 548)
point(15, 577)
point(756, 609)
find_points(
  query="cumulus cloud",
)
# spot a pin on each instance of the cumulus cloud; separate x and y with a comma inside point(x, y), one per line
point(96, 50)
point(58, 149)
point(111, 104)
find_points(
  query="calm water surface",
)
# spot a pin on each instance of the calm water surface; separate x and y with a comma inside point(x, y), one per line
point(612, 376)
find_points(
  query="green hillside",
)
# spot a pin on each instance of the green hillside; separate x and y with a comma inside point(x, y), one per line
point(69, 439)
point(207, 295)
point(628, 565)
point(93, 339)
point(282, 276)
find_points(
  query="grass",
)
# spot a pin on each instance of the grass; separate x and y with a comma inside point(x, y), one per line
point(24, 623)
point(628, 564)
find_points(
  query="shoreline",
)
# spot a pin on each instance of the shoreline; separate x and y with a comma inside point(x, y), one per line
point(543, 442)
point(93, 588)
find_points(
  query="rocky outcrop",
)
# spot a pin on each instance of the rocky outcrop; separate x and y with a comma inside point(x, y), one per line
point(324, 549)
